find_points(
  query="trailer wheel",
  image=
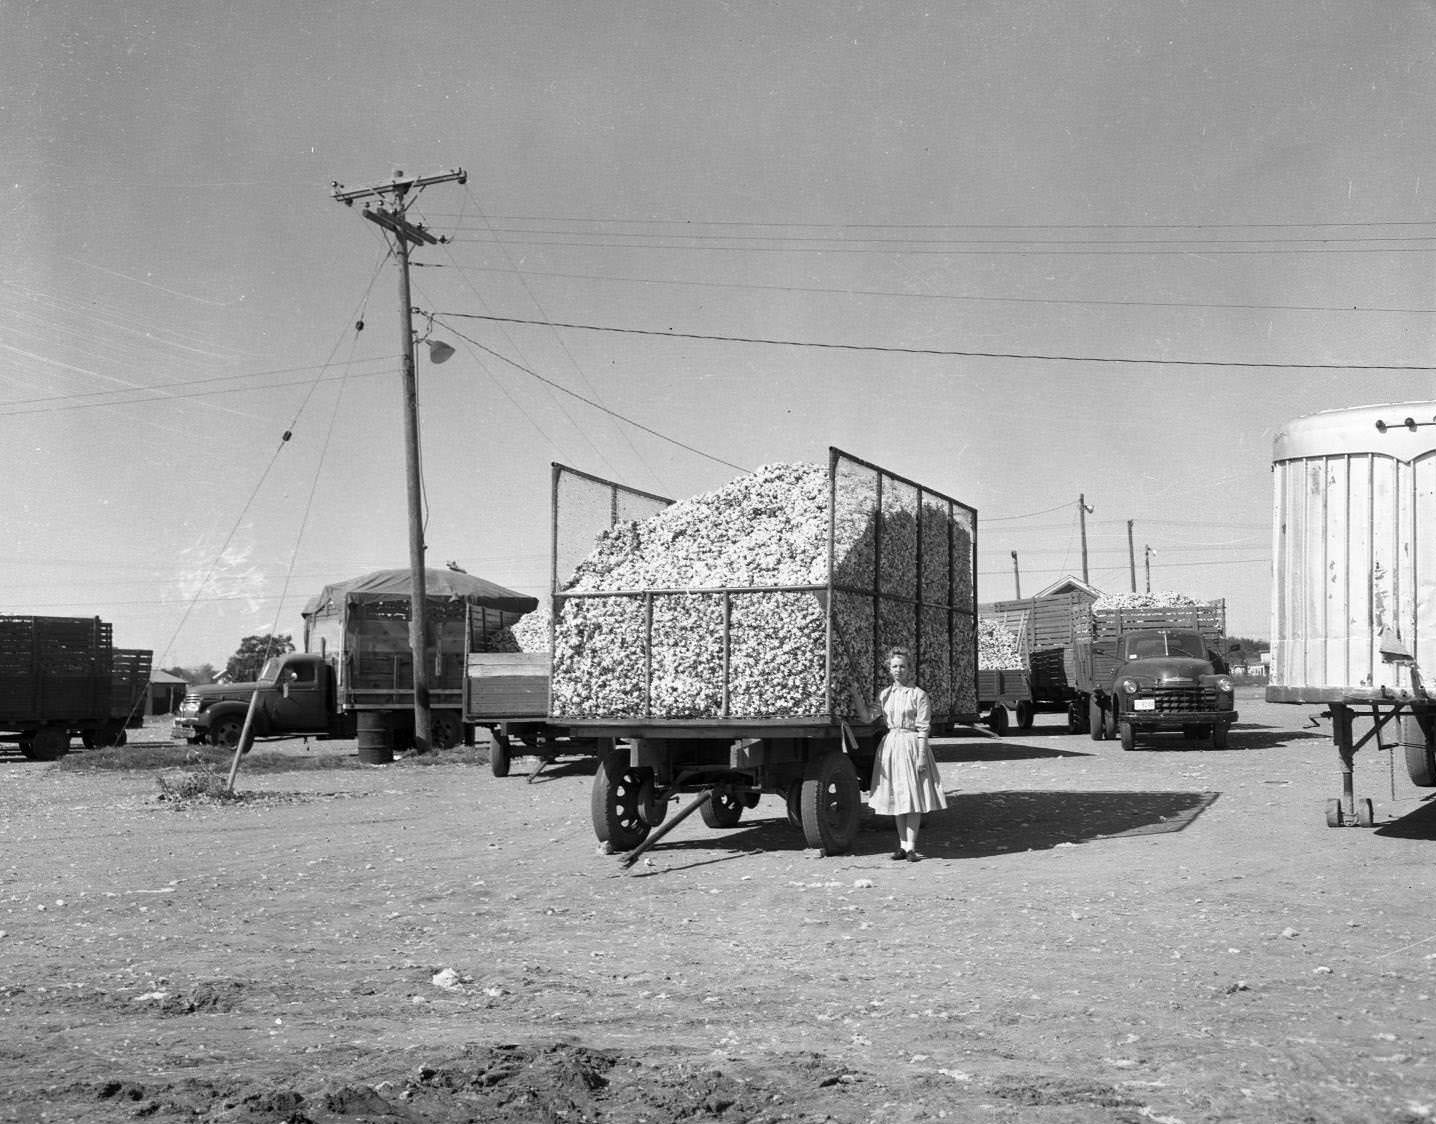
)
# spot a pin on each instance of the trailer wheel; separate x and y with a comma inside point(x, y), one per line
point(445, 729)
point(1128, 734)
point(1219, 735)
point(614, 804)
point(724, 809)
point(1365, 813)
point(499, 753)
point(1421, 764)
point(1025, 713)
point(1074, 719)
point(1109, 717)
point(831, 803)
point(1096, 719)
point(1334, 815)
point(794, 800)
point(225, 733)
point(48, 743)
point(997, 720)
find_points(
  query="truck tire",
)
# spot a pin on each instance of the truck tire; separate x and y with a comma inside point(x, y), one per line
point(1096, 719)
point(1219, 735)
point(48, 743)
point(1128, 734)
point(224, 734)
point(831, 803)
point(614, 803)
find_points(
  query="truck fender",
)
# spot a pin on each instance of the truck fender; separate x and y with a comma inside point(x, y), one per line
point(207, 718)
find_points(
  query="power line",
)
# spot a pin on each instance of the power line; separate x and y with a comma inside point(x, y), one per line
point(947, 352)
point(589, 401)
point(849, 292)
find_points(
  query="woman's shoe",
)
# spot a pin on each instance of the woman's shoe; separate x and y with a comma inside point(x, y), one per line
point(914, 857)
point(899, 855)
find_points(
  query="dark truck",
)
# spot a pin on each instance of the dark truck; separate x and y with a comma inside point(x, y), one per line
point(1142, 670)
point(358, 660)
point(61, 676)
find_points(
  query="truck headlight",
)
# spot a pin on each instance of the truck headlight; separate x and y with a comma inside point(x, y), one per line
point(1129, 686)
point(1224, 685)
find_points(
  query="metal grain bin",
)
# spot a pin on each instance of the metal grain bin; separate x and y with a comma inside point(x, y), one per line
point(1354, 589)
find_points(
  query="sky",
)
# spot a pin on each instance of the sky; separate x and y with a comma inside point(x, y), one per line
point(1020, 253)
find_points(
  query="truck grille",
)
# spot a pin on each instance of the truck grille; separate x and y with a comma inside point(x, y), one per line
point(1181, 700)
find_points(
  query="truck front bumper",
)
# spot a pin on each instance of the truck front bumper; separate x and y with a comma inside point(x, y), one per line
point(1176, 719)
point(190, 729)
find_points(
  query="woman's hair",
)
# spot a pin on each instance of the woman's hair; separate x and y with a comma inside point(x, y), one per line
point(899, 650)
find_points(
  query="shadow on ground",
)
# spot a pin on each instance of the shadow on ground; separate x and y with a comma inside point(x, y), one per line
point(982, 825)
point(1420, 824)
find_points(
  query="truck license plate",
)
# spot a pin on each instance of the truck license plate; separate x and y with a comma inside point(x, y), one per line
point(1144, 704)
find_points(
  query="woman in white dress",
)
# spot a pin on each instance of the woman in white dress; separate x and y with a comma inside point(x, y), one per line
point(905, 777)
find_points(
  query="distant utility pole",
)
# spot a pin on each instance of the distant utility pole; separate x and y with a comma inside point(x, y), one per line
point(1131, 555)
point(1083, 510)
point(392, 200)
point(1016, 577)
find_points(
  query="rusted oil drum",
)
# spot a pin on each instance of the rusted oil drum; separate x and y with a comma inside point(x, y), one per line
point(375, 737)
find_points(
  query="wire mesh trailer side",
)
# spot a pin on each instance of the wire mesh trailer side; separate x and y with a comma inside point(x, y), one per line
point(898, 571)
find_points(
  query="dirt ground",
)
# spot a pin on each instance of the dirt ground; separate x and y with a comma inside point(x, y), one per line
point(1170, 935)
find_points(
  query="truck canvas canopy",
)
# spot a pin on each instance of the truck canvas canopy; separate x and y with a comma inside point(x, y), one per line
point(439, 585)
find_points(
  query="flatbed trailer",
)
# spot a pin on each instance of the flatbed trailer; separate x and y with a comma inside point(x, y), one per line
point(507, 695)
point(819, 762)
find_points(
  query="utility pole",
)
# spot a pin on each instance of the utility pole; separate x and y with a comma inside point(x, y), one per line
point(1149, 552)
point(1131, 555)
point(1083, 510)
point(1016, 577)
point(392, 201)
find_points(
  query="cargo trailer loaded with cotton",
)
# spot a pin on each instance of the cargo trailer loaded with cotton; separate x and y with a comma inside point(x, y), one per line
point(1354, 589)
point(732, 644)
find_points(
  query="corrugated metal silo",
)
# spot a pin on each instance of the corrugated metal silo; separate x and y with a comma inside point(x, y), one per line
point(1354, 553)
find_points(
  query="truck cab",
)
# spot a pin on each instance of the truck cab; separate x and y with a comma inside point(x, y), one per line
point(1167, 679)
point(294, 696)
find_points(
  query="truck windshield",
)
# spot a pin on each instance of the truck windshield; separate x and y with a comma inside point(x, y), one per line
point(270, 672)
point(1147, 645)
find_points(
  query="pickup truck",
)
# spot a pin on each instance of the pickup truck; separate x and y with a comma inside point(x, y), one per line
point(1154, 670)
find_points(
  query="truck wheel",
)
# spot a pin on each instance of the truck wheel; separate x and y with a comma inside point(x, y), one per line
point(724, 808)
point(48, 743)
point(1096, 719)
point(1128, 735)
point(499, 757)
point(1025, 713)
point(445, 729)
point(1074, 719)
point(1219, 735)
point(225, 733)
point(1109, 717)
point(831, 803)
point(997, 720)
point(614, 803)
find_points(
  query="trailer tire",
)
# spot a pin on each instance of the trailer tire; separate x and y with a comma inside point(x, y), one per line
point(614, 803)
point(997, 720)
point(1096, 719)
point(1128, 734)
point(1110, 720)
point(1421, 764)
point(225, 733)
point(1025, 713)
point(724, 808)
point(1219, 735)
point(793, 798)
point(1074, 722)
point(831, 803)
point(499, 759)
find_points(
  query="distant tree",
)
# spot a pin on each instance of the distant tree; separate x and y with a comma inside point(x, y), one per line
point(197, 675)
point(245, 665)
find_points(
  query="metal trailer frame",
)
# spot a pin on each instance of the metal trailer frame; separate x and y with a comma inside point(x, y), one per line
point(813, 761)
